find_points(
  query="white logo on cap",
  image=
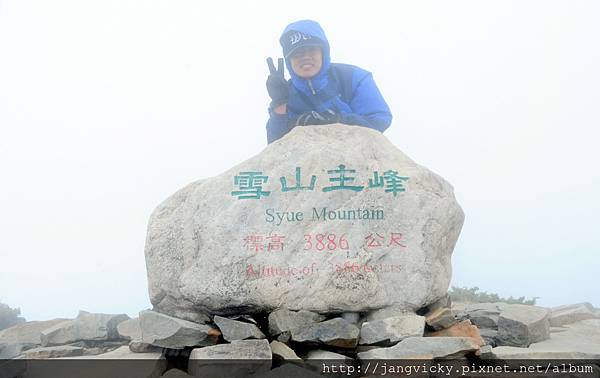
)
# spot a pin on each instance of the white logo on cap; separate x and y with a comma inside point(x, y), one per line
point(297, 37)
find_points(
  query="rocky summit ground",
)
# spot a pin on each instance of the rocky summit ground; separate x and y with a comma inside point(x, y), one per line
point(290, 342)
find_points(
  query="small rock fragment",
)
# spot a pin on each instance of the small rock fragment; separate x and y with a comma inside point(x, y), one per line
point(462, 329)
point(391, 330)
point(54, 352)
point(334, 332)
point(440, 318)
point(283, 320)
point(236, 330)
point(169, 332)
point(284, 352)
point(238, 359)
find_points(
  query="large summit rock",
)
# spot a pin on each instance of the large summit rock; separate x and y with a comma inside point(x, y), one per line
point(330, 218)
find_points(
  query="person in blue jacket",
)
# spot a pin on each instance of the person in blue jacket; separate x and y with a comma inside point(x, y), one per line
point(319, 92)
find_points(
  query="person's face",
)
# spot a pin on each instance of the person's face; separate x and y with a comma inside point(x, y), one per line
point(307, 61)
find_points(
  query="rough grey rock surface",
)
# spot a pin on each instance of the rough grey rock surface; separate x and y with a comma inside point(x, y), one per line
point(320, 354)
point(284, 352)
point(27, 333)
point(392, 330)
point(23, 336)
point(489, 336)
point(443, 302)
point(94, 347)
point(198, 259)
point(334, 332)
point(484, 315)
point(284, 337)
point(387, 312)
point(169, 332)
point(238, 349)
point(138, 346)
point(236, 330)
point(53, 352)
point(580, 340)
point(283, 320)
point(130, 329)
point(440, 318)
point(486, 352)
point(351, 317)
point(424, 347)
point(87, 326)
point(212, 361)
point(520, 325)
point(568, 314)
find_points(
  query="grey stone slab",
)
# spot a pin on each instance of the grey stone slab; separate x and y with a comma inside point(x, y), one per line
point(334, 332)
point(140, 347)
point(240, 358)
point(169, 332)
point(387, 312)
point(351, 317)
point(87, 326)
point(53, 352)
point(320, 354)
point(130, 329)
point(568, 314)
point(440, 318)
point(520, 325)
point(283, 320)
point(424, 347)
point(484, 315)
point(489, 336)
point(392, 330)
point(27, 333)
point(580, 340)
point(236, 330)
point(443, 302)
point(24, 336)
point(283, 351)
point(95, 347)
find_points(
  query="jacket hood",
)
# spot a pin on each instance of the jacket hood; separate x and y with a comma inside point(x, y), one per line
point(313, 29)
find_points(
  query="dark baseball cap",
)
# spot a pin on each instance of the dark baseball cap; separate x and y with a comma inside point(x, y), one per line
point(293, 40)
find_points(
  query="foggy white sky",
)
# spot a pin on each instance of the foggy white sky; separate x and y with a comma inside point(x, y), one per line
point(108, 107)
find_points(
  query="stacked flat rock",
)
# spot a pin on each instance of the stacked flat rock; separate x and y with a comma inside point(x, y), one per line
point(87, 326)
point(87, 334)
point(329, 219)
point(249, 345)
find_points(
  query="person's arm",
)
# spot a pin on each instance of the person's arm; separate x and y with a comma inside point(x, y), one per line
point(278, 88)
point(369, 109)
point(277, 125)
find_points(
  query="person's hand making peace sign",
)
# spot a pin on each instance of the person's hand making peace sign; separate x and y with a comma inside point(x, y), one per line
point(277, 86)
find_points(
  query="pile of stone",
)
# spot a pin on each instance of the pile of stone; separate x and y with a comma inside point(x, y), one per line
point(285, 342)
point(87, 334)
point(532, 332)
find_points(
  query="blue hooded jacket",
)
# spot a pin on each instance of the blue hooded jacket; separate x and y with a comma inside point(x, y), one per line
point(345, 89)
